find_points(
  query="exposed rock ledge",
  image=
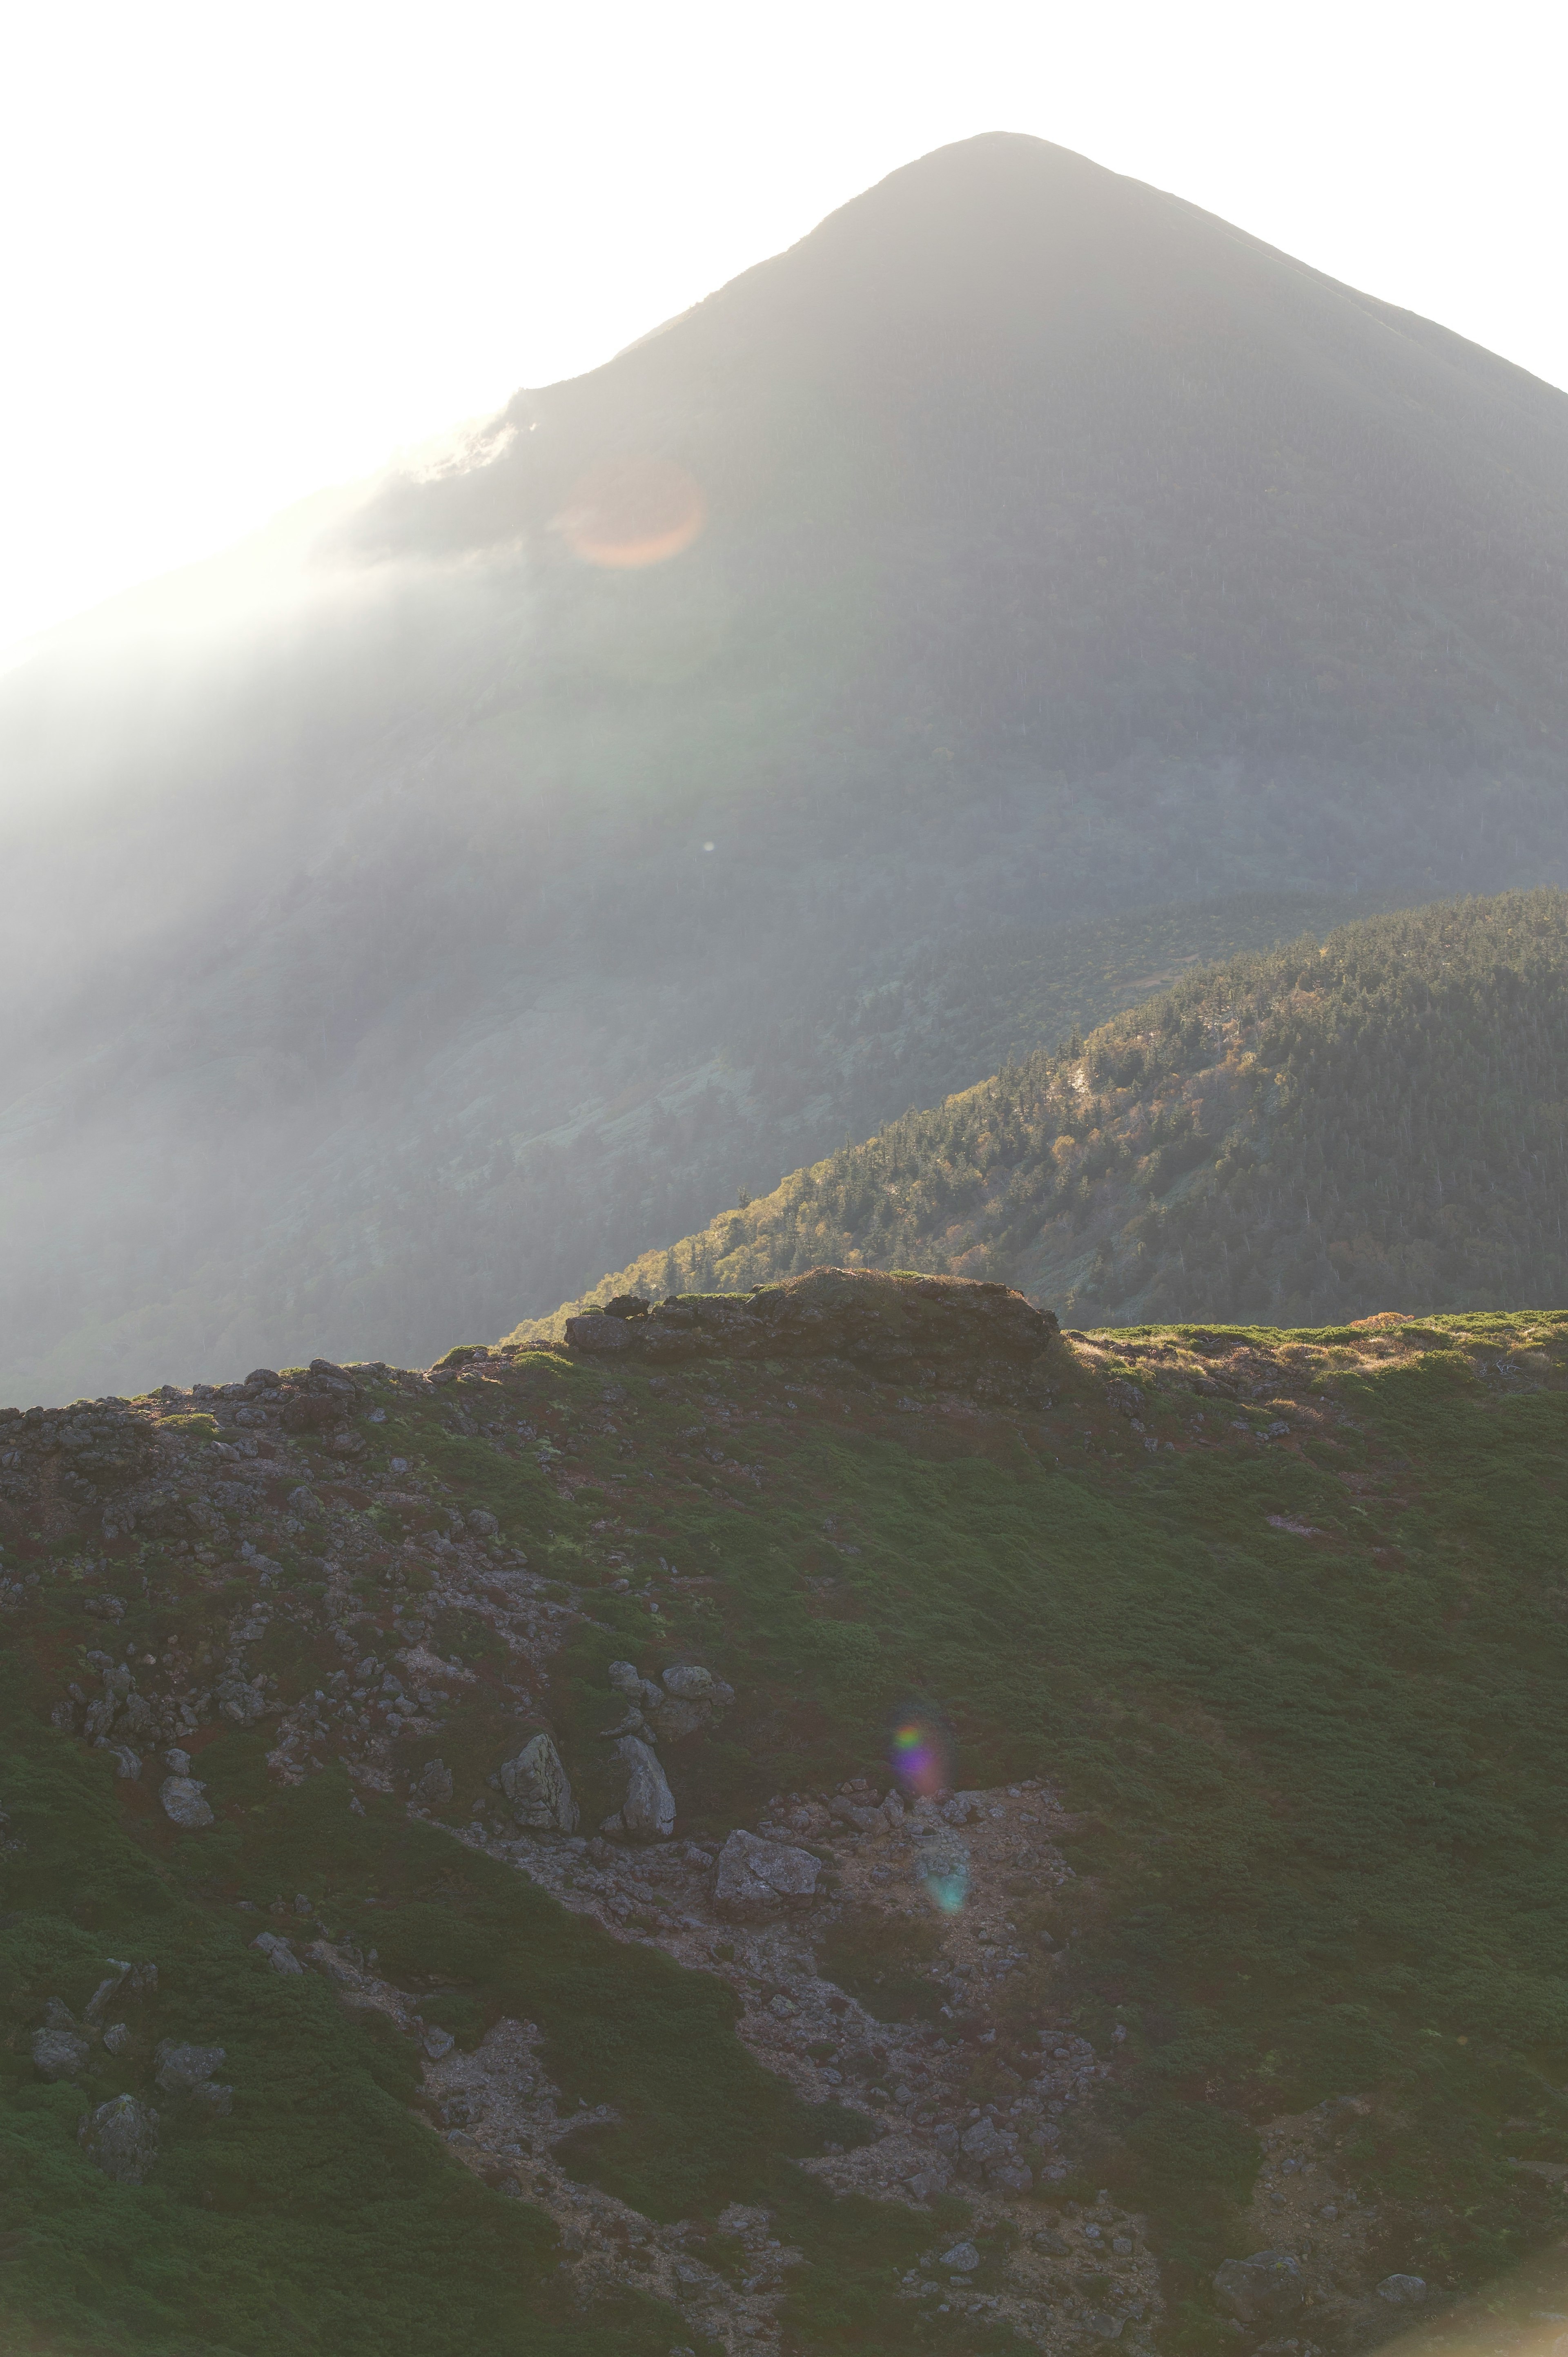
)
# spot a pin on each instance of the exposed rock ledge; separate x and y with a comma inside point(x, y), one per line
point(899, 1326)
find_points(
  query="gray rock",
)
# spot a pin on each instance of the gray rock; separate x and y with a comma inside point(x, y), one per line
point(627, 1679)
point(438, 2042)
point(182, 2069)
point(303, 1501)
point(1102, 2326)
point(121, 2138)
point(985, 2142)
point(185, 1801)
point(117, 2037)
point(176, 1760)
point(539, 1789)
point(94, 2010)
point(692, 1698)
point(139, 1719)
point(277, 1951)
point(59, 2053)
point(1267, 2284)
point(483, 1525)
point(756, 1877)
point(692, 1682)
point(211, 2097)
point(1402, 2291)
point(1012, 2176)
point(648, 1811)
point(963, 2258)
point(632, 1722)
point(127, 1764)
point(58, 2016)
point(434, 1784)
point(241, 1700)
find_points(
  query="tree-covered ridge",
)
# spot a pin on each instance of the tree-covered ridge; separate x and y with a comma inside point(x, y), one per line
point(1301, 1134)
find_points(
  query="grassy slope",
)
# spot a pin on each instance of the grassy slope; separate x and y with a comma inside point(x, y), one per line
point(1307, 1132)
point(1322, 1776)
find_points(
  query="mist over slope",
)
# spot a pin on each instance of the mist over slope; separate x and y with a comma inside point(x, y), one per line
point(1313, 1133)
point(1023, 546)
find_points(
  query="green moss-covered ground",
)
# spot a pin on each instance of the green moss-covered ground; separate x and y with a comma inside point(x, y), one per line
point(1304, 1689)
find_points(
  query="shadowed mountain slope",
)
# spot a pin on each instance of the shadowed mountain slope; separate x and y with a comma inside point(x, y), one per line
point(1377, 1122)
point(1024, 546)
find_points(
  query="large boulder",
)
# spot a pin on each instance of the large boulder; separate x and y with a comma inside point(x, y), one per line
point(182, 2069)
point(914, 1329)
point(1258, 2289)
point(648, 1811)
point(59, 2053)
point(185, 1801)
point(277, 1951)
point(121, 2138)
point(754, 1879)
point(539, 1789)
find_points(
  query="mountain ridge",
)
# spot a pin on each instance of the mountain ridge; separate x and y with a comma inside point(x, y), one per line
point(1170, 1162)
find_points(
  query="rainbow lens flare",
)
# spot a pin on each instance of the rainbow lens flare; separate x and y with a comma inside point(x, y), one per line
point(944, 1877)
point(918, 1756)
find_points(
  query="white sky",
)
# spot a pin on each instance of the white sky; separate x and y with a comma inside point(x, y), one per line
point(251, 251)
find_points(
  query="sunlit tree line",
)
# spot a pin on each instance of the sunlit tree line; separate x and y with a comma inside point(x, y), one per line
point(1300, 1135)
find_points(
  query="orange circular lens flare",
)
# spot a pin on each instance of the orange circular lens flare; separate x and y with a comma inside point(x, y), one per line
point(626, 512)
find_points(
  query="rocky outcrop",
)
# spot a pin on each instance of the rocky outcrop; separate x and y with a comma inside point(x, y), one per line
point(537, 1785)
point(755, 1878)
point(185, 1802)
point(59, 2053)
point(900, 1327)
point(690, 1698)
point(648, 1811)
point(319, 1399)
point(181, 2069)
point(121, 2138)
point(277, 1951)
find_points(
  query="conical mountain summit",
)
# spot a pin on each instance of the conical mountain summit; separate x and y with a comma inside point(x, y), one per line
point(1090, 473)
point(622, 816)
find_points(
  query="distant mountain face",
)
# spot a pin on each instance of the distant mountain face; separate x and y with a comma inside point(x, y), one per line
point(1314, 1133)
point(1024, 546)
point(1039, 468)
